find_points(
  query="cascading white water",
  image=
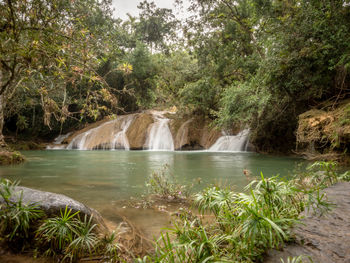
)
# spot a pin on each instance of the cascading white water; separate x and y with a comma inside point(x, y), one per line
point(232, 143)
point(59, 139)
point(108, 136)
point(159, 137)
point(57, 143)
point(121, 140)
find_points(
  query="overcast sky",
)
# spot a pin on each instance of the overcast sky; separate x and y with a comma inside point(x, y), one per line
point(130, 6)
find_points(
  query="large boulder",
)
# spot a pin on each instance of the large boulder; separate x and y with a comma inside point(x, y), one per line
point(52, 204)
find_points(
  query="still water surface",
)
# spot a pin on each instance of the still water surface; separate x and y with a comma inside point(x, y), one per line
point(102, 179)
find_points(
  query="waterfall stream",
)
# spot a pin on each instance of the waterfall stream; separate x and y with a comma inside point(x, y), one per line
point(121, 140)
point(159, 137)
point(231, 143)
point(150, 131)
point(108, 136)
point(57, 143)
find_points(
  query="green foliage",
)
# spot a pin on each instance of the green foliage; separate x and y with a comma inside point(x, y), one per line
point(270, 61)
point(68, 235)
point(142, 77)
point(59, 232)
point(110, 246)
point(324, 173)
point(156, 25)
point(16, 217)
point(200, 96)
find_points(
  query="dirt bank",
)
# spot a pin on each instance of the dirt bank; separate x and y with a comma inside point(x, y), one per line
point(324, 133)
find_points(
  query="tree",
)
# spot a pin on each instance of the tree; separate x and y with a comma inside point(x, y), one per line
point(49, 49)
point(156, 25)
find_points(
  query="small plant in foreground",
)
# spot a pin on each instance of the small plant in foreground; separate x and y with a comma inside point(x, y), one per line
point(16, 217)
point(110, 247)
point(68, 235)
point(85, 240)
point(298, 259)
point(58, 232)
point(163, 184)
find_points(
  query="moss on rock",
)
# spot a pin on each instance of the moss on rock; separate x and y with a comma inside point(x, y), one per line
point(10, 157)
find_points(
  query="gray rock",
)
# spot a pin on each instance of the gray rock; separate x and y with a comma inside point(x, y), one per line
point(52, 204)
point(324, 238)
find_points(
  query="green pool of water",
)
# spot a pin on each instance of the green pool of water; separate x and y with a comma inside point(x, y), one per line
point(100, 177)
point(105, 179)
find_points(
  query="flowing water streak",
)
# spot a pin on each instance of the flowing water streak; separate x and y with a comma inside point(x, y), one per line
point(57, 143)
point(232, 143)
point(121, 140)
point(108, 136)
point(182, 134)
point(160, 137)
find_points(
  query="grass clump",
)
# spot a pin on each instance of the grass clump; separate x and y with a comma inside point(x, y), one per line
point(163, 184)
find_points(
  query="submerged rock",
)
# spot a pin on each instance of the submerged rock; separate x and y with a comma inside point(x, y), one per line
point(52, 204)
point(324, 238)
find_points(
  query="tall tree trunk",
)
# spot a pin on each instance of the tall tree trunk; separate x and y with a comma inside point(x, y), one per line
point(2, 108)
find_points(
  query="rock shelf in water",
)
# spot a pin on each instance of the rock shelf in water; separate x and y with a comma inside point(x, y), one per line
point(154, 130)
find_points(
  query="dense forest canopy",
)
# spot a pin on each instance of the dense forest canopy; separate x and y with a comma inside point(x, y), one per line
point(245, 62)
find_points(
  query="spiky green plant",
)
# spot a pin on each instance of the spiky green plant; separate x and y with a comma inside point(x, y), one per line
point(16, 217)
point(84, 239)
point(298, 259)
point(109, 245)
point(58, 232)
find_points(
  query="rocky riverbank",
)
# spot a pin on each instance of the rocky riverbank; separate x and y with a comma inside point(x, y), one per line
point(324, 238)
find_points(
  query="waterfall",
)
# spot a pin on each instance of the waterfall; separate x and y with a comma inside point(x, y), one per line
point(59, 139)
point(121, 140)
point(159, 137)
point(232, 143)
point(57, 143)
point(108, 136)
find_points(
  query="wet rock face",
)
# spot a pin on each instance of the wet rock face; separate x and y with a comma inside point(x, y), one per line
point(192, 133)
point(324, 238)
point(138, 130)
point(52, 204)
